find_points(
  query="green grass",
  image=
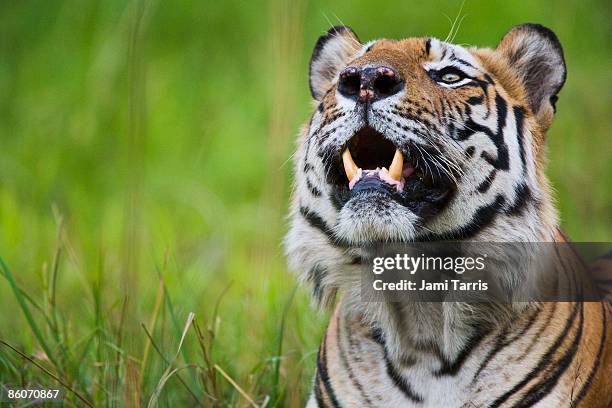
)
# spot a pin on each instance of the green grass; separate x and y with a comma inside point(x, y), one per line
point(144, 177)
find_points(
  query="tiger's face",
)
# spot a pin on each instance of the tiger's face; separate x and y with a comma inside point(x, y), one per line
point(419, 139)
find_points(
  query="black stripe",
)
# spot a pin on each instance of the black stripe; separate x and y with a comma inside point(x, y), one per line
point(322, 138)
point(528, 325)
point(452, 368)
point(464, 62)
point(544, 387)
point(519, 115)
point(444, 107)
point(475, 100)
point(461, 61)
point(565, 268)
point(502, 161)
point(427, 46)
point(316, 275)
point(538, 334)
point(377, 335)
point(410, 115)
point(483, 217)
point(523, 196)
point(324, 375)
point(346, 364)
point(317, 222)
point(544, 362)
point(399, 381)
point(502, 342)
point(597, 362)
point(472, 127)
point(486, 184)
point(318, 391)
point(307, 166)
point(313, 190)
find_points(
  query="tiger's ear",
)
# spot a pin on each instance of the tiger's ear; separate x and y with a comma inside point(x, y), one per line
point(536, 55)
point(331, 53)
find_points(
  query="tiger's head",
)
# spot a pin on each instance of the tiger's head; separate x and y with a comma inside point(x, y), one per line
point(419, 140)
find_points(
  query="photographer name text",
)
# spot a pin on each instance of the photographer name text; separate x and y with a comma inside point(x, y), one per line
point(405, 263)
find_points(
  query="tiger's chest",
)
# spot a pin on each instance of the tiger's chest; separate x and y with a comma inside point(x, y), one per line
point(360, 377)
point(528, 368)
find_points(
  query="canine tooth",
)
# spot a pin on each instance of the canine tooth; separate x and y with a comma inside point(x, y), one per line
point(396, 167)
point(350, 168)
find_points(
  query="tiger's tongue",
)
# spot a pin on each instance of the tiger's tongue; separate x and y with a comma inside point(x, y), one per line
point(394, 176)
point(381, 174)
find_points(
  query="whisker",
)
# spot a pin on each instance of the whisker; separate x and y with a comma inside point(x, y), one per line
point(443, 157)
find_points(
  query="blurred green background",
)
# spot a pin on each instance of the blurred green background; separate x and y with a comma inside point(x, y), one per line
point(149, 141)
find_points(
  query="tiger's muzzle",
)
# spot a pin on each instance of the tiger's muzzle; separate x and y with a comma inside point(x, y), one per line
point(369, 164)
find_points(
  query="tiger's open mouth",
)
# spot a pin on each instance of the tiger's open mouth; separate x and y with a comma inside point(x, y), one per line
point(370, 156)
point(370, 162)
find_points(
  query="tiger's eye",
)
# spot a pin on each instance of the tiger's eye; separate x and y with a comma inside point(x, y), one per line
point(450, 77)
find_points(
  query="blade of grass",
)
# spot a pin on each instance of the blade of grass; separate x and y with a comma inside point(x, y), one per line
point(175, 322)
point(163, 381)
point(119, 351)
point(156, 348)
point(28, 315)
point(96, 291)
point(8, 364)
point(54, 325)
point(49, 373)
point(152, 320)
point(190, 318)
point(131, 393)
point(88, 340)
point(212, 329)
point(209, 368)
point(236, 386)
point(31, 301)
point(56, 260)
point(279, 348)
point(169, 371)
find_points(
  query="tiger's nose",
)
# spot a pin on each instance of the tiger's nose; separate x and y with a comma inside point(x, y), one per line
point(369, 84)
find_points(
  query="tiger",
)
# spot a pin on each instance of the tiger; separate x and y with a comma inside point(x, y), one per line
point(421, 140)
